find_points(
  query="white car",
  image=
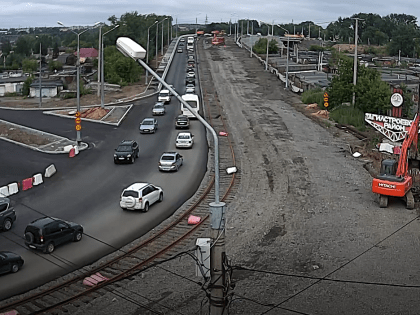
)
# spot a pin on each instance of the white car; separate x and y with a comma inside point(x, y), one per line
point(140, 196)
point(164, 96)
point(184, 140)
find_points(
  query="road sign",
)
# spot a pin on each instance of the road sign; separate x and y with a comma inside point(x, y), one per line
point(78, 120)
point(78, 114)
point(326, 103)
point(78, 127)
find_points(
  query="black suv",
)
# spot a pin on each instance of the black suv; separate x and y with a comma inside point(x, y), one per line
point(127, 151)
point(7, 214)
point(47, 233)
point(182, 121)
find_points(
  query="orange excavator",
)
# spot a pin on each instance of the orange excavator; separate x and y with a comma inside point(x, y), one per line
point(394, 179)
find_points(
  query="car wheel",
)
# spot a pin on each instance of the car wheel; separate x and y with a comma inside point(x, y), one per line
point(77, 236)
point(115, 162)
point(146, 207)
point(7, 224)
point(15, 268)
point(160, 197)
point(50, 248)
point(29, 237)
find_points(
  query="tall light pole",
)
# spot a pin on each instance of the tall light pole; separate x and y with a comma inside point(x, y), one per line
point(355, 60)
point(40, 62)
point(78, 132)
point(268, 33)
point(157, 38)
point(287, 58)
point(147, 50)
point(100, 58)
point(217, 208)
point(102, 66)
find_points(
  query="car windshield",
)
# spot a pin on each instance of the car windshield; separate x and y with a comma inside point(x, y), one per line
point(184, 137)
point(158, 106)
point(131, 193)
point(123, 148)
point(147, 122)
point(167, 158)
point(182, 118)
point(164, 94)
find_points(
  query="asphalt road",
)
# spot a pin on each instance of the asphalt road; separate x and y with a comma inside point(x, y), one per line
point(86, 188)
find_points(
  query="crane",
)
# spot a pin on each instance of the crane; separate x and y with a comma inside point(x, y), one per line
point(394, 179)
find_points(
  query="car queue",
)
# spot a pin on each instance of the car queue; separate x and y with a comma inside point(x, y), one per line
point(46, 233)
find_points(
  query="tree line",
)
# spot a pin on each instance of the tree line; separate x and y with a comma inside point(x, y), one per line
point(118, 69)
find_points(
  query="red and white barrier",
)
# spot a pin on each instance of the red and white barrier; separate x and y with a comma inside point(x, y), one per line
point(27, 183)
point(4, 191)
point(50, 171)
point(13, 188)
point(37, 179)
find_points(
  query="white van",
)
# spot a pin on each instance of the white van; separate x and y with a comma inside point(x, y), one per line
point(164, 96)
point(194, 102)
point(190, 40)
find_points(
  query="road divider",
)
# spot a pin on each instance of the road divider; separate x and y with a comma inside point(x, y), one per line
point(50, 171)
point(37, 179)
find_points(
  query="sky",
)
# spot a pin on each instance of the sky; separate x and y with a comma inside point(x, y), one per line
point(46, 13)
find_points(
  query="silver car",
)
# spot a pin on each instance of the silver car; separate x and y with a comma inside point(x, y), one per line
point(158, 109)
point(170, 161)
point(148, 125)
point(184, 140)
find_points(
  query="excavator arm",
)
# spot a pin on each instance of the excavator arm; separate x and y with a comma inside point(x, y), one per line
point(410, 140)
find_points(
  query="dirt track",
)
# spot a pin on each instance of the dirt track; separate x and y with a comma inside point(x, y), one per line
point(304, 208)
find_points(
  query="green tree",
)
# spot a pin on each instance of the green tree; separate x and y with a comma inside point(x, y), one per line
point(29, 65)
point(26, 86)
point(55, 65)
point(371, 94)
point(260, 47)
point(120, 69)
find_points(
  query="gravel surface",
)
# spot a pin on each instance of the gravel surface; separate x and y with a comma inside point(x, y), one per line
point(303, 213)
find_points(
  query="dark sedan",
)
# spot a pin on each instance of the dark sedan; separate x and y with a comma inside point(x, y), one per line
point(10, 262)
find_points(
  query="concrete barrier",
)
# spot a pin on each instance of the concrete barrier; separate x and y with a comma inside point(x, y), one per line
point(13, 188)
point(27, 184)
point(67, 148)
point(49, 171)
point(37, 179)
point(4, 191)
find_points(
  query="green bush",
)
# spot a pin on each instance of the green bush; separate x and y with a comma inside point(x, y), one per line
point(348, 115)
point(313, 96)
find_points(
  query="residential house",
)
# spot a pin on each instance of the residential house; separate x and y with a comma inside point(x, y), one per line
point(67, 59)
point(12, 83)
point(49, 88)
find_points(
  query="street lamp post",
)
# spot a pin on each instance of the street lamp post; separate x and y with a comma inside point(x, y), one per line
point(287, 57)
point(102, 65)
point(157, 37)
point(217, 208)
point(100, 58)
point(355, 60)
point(40, 62)
point(40, 71)
point(147, 50)
point(78, 132)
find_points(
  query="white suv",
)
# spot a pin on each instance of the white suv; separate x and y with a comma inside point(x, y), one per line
point(140, 196)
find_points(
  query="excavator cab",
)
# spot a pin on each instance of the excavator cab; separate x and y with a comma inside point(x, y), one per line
point(389, 170)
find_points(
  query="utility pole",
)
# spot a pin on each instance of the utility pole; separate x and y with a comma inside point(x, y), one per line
point(309, 31)
point(40, 70)
point(355, 59)
point(99, 60)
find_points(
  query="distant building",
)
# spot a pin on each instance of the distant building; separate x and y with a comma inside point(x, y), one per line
point(67, 59)
point(11, 83)
point(87, 53)
point(49, 88)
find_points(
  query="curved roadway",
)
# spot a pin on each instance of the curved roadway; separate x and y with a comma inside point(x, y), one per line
point(86, 188)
